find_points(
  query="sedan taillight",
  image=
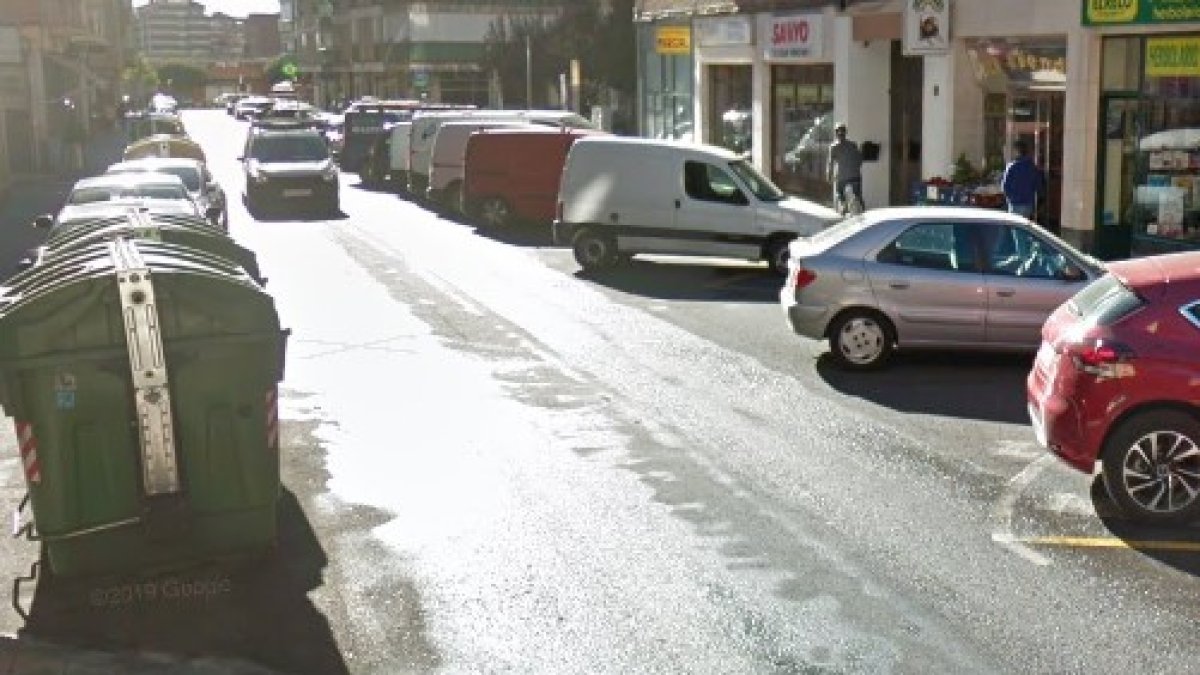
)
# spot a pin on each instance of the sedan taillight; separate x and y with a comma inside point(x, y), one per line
point(802, 277)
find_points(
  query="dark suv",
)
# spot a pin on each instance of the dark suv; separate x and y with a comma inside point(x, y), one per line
point(285, 166)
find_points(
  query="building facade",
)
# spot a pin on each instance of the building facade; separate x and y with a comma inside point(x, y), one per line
point(1104, 93)
point(389, 49)
point(179, 31)
point(60, 77)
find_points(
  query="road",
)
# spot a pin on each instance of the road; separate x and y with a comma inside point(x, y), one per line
point(495, 463)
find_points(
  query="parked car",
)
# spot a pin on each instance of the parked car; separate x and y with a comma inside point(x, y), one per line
point(448, 159)
point(200, 184)
point(291, 111)
point(512, 174)
point(375, 169)
point(232, 101)
point(251, 107)
point(162, 145)
point(623, 196)
point(141, 125)
point(929, 278)
point(425, 127)
point(157, 192)
point(289, 166)
point(1115, 382)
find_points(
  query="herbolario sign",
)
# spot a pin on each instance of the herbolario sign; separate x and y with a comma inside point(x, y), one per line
point(1124, 12)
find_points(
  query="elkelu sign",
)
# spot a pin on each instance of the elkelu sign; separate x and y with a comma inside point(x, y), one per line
point(1121, 12)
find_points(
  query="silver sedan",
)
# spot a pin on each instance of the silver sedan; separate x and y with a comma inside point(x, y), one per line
point(929, 278)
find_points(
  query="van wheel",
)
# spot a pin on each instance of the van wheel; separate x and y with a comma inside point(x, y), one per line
point(1151, 466)
point(494, 212)
point(594, 251)
point(777, 254)
point(861, 340)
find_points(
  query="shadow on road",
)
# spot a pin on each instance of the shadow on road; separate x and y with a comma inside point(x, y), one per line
point(681, 279)
point(257, 612)
point(989, 387)
point(1175, 546)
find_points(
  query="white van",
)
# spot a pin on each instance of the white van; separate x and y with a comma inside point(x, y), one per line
point(621, 196)
point(447, 162)
point(425, 127)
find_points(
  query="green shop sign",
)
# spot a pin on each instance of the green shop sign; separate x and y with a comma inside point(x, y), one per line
point(1124, 12)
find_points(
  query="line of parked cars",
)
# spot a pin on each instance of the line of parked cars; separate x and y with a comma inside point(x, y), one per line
point(1114, 381)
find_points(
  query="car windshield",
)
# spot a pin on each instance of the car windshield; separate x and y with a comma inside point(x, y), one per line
point(289, 149)
point(91, 195)
point(189, 175)
point(757, 183)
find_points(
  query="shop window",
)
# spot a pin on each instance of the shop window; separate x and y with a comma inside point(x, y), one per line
point(802, 112)
point(730, 103)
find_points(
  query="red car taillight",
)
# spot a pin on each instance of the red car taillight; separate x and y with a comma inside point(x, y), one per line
point(802, 277)
point(1103, 358)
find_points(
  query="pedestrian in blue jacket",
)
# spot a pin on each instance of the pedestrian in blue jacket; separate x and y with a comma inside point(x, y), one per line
point(1023, 182)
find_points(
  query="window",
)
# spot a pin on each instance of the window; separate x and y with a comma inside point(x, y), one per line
point(1013, 251)
point(938, 246)
point(710, 183)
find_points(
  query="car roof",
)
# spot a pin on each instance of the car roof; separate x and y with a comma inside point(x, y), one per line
point(153, 163)
point(958, 213)
point(1172, 268)
point(127, 179)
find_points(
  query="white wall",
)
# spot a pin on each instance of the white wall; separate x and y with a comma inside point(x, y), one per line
point(861, 79)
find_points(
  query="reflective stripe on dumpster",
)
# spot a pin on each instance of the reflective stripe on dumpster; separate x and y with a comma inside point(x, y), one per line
point(29, 455)
point(272, 418)
point(148, 369)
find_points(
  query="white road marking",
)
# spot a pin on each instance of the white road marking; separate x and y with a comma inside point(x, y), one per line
point(1002, 513)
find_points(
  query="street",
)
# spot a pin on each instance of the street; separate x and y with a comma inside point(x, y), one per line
point(493, 462)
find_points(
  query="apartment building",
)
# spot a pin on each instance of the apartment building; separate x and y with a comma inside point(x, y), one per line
point(60, 75)
point(386, 48)
point(180, 31)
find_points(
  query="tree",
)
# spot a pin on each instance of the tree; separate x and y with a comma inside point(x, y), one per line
point(139, 75)
point(182, 77)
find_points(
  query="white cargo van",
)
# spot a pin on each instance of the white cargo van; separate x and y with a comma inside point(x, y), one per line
point(425, 127)
point(447, 160)
point(622, 196)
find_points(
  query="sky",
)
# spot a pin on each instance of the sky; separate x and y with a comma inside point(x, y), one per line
point(233, 7)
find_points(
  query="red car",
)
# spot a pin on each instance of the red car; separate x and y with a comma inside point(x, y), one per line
point(1117, 380)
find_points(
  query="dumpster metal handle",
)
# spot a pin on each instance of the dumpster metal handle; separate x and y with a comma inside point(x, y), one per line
point(28, 529)
point(148, 370)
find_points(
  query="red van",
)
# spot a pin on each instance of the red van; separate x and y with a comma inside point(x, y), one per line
point(512, 173)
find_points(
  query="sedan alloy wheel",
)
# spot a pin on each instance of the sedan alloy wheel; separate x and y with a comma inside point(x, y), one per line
point(1152, 467)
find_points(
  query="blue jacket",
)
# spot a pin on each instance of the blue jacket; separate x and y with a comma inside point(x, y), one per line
point(1023, 181)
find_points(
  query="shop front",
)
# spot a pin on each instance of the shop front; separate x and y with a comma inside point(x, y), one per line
point(1023, 83)
point(800, 102)
point(1149, 155)
point(666, 81)
point(724, 50)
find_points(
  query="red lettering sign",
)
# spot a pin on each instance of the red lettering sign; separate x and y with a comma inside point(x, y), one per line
point(789, 32)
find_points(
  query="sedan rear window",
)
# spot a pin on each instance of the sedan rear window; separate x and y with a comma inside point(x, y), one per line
point(1105, 301)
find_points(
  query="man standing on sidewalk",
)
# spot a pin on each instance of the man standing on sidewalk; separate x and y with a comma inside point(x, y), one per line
point(845, 170)
point(1023, 182)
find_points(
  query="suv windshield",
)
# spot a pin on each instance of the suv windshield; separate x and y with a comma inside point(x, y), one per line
point(290, 148)
point(757, 183)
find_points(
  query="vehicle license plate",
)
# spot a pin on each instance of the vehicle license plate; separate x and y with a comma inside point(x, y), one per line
point(297, 192)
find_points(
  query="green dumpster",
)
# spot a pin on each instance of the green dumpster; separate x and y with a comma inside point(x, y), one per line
point(190, 231)
point(142, 377)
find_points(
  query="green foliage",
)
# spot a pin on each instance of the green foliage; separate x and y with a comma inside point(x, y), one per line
point(139, 74)
point(181, 77)
point(964, 172)
point(603, 44)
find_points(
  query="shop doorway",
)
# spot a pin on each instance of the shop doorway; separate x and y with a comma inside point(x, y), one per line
point(907, 80)
point(1118, 175)
point(1037, 119)
point(731, 99)
point(802, 129)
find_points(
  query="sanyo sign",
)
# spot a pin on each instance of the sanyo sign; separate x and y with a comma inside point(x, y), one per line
point(791, 37)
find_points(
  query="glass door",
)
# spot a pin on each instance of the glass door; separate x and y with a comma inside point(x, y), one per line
point(1037, 119)
point(1118, 175)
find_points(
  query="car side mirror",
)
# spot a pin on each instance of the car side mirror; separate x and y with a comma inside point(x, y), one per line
point(43, 222)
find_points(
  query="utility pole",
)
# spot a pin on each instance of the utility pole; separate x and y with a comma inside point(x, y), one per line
point(528, 74)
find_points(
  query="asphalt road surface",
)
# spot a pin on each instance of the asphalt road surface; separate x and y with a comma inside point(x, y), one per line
point(494, 463)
